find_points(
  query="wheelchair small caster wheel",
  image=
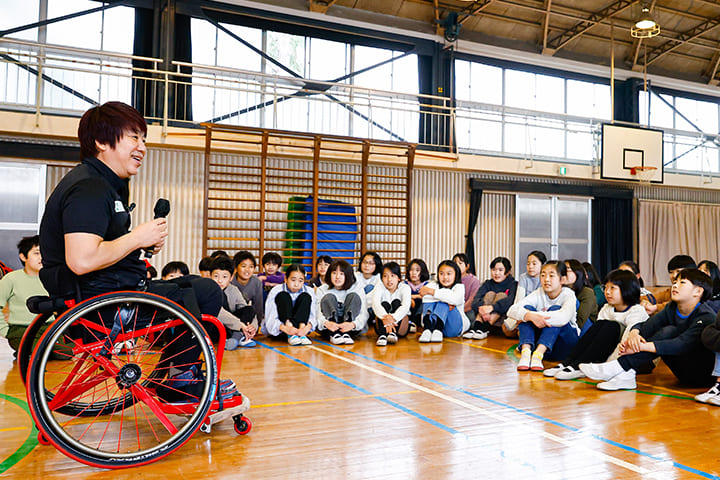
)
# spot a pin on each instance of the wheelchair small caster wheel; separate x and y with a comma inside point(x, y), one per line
point(206, 427)
point(243, 425)
point(42, 439)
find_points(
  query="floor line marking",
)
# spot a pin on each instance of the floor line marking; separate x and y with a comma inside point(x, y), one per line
point(13, 429)
point(323, 400)
point(30, 442)
point(501, 418)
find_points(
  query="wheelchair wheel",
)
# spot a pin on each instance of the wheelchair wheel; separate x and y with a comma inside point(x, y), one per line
point(125, 345)
point(26, 345)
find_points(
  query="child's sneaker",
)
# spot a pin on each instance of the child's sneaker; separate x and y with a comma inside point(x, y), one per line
point(536, 364)
point(294, 340)
point(510, 324)
point(569, 373)
point(412, 328)
point(337, 339)
point(437, 336)
point(381, 341)
point(347, 339)
point(622, 381)
point(479, 335)
point(247, 343)
point(469, 335)
point(713, 392)
point(425, 336)
point(231, 343)
point(305, 340)
point(226, 385)
point(392, 338)
point(524, 363)
point(551, 372)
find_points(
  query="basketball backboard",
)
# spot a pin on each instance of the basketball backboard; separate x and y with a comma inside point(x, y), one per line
point(626, 147)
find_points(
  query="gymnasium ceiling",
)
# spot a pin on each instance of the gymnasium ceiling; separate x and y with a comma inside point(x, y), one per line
point(687, 47)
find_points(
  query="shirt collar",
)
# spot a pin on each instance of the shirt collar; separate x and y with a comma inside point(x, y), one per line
point(120, 185)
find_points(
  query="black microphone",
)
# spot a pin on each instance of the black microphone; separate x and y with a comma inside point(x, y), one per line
point(162, 208)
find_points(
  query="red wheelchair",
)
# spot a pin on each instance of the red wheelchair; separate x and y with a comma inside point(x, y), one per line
point(99, 380)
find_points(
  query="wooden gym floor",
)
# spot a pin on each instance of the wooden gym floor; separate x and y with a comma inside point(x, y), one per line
point(452, 410)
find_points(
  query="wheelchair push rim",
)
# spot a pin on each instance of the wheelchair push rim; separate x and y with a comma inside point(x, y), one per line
point(130, 422)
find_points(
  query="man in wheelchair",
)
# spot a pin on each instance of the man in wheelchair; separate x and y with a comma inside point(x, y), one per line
point(89, 249)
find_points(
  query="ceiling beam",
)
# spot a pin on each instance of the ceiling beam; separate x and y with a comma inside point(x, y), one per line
point(546, 24)
point(473, 9)
point(572, 33)
point(712, 69)
point(320, 6)
point(683, 38)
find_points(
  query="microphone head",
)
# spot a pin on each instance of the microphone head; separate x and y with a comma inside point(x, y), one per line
point(162, 208)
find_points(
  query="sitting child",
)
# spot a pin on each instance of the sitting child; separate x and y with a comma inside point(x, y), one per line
point(321, 266)
point(248, 284)
point(621, 312)
point(528, 282)
point(443, 302)
point(342, 313)
point(290, 309)
point(493, 299)
point(673, 334)
point(391, 305)
point(239, 333)
point(547, 319)
point(647, 299)
point(204, 267)
point(587, 307)
point(174, 270)
point(272, 275)
point(593, 280)
point(711, 269)
point(470, 281)
point(416, 277)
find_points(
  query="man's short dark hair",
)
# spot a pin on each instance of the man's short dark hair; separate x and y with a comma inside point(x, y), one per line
point(699, 279)
point(107, 123)
point(173, 267)
point(243, 255)
point(222, 263)
point(26, 244)
point(681, 261)
point(273, 258)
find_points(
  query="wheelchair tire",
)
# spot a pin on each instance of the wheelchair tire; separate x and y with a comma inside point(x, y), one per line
point(132, 424)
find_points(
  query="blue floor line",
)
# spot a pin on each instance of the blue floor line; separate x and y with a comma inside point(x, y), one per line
point(532, 415)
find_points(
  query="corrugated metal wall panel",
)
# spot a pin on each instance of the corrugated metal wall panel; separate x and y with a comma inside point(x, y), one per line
point(440, 212)
point(54, 175)
point(495, 233)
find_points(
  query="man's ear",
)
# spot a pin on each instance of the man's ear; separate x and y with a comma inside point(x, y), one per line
point(101, 147)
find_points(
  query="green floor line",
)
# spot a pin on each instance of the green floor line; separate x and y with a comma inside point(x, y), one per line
point(30, 442)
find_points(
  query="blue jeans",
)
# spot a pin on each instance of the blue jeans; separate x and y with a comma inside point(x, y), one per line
point(559, 341)
point(451, 320)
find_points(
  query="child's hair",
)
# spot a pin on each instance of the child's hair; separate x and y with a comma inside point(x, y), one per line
point(243, 255)
point(580, 276)
point(559, 267)
point(294, 267)
point(324, 259)
point(456, 269)
point(699, 279)
point(394, 268)
point(635, 269)
point(592, 276)
point(627, 283)
point(222, 263)
point(173, 267)
point(424, 273)
point(462, 257)
point(714, 274)
point(272, 258)
point(681, 261)
point(376, 258)
point(505, 262)
point(346, 268)
point(26, 244)
point(219, 253)
point(205, 264)
point(539, 255)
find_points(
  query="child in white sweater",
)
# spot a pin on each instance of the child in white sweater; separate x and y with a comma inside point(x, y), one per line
point(342, 309)
point(391, 306)
point(443, 305)
point(290, 308)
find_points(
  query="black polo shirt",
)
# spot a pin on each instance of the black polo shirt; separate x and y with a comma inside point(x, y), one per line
point(89, 199)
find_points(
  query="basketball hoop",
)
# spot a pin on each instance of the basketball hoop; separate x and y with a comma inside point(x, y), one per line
point(643, 174)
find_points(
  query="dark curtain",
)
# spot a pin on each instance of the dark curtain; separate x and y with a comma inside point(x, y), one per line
point(475, 201)
point(144, 92)
point(612, 233)
point(435, 74)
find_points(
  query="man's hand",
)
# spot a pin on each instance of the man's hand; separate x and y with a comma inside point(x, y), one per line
point(151, 234)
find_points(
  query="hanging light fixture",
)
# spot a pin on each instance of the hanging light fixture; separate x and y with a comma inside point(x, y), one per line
point(646, 26)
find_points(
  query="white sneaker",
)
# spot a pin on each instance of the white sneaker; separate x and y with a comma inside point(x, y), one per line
point(550, 372)
point(381, 341)
point(621, 381)
point(294, 340)
point(714, 401)
point(347, 339)
point(524, 363)
point(601, 371)
point(479, 335)
point(392, 338)
point(413, 328)
point(425, 336)
point(469, 335)
point(569, 373)
point(305, 340)
point(713, 392)
point(337, 339)
point(437, 336)
point(510, 323)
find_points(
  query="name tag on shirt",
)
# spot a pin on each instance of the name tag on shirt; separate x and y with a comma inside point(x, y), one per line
point(119, 206)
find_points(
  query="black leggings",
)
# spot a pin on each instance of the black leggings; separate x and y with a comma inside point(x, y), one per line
point(297, 313)
point(401, 329)
point(596, 345)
